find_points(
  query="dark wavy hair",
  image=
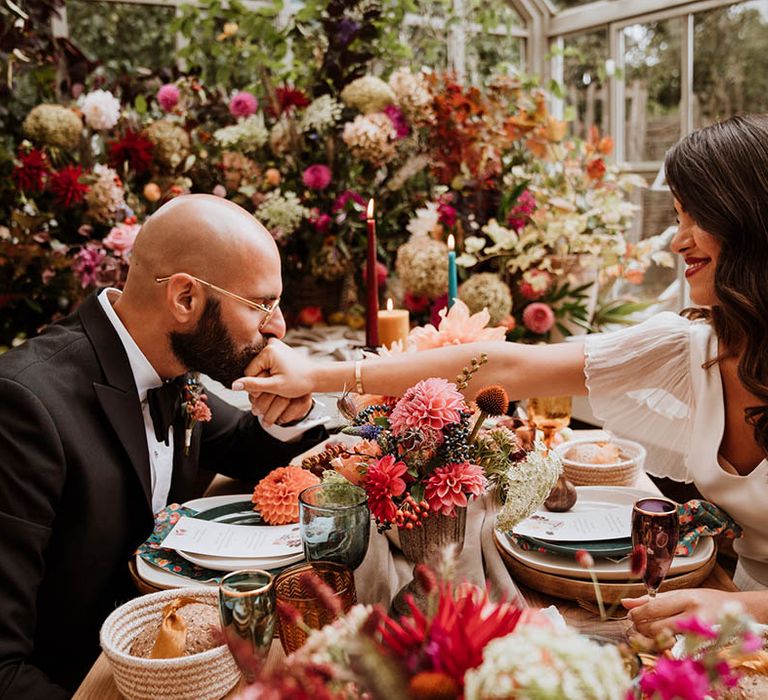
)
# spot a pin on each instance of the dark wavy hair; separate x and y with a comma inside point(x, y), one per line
point(719, 174)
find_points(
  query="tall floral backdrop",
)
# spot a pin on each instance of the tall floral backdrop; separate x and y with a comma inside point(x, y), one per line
point(301, 121)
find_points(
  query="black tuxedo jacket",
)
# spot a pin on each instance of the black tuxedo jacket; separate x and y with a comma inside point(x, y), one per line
point(75, 493)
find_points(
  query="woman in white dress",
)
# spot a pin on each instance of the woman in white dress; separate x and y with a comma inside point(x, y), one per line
point(695, 384)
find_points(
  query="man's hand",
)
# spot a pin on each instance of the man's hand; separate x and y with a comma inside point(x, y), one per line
point(277, 409)
point(277, 370)
point(651, 615)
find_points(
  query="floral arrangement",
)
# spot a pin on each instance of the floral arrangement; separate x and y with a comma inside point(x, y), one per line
point(303, 144)
point(415, 457)
point(429, 453)
point(460, 643)
point(558, 240)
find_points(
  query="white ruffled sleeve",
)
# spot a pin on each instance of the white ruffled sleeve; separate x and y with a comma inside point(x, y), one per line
point(639, 382)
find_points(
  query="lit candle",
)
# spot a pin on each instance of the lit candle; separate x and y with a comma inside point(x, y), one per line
point(372, 306)
point(394, 325)
point(452, 281)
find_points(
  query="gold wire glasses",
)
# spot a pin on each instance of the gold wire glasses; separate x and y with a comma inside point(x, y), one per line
point(267, 309)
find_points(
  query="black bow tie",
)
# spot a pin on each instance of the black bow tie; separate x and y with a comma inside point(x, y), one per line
point(164, 404)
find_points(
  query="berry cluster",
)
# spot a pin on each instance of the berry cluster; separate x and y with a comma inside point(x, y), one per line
point(370, 412)
point(411, 514)
point(456, 448)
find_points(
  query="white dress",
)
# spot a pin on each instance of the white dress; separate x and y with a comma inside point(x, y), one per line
point(647, 383)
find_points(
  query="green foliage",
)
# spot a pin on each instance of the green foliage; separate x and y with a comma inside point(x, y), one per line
point(123, 39)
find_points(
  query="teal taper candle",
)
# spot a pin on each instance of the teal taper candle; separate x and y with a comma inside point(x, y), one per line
point(453, 289)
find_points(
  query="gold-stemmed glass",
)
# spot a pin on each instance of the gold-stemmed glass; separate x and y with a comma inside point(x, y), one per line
point(549, 414)
point(247, 608)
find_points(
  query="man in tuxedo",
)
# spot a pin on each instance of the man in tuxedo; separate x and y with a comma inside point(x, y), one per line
point(92, 441)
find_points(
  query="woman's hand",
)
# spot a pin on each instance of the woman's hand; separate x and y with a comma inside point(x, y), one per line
point(652, 615)
point(277, 370)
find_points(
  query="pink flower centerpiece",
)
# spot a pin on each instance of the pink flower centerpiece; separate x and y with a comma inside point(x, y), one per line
point(415, 458)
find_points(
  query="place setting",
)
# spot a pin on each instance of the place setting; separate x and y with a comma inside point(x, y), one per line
point(609, 523)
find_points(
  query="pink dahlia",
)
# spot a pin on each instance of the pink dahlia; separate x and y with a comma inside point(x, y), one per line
point(243, 104)
point(383, 483)
point(433, 403)
point(450, 485)
point(317, 177)
point(168, 96)
point(538, 318)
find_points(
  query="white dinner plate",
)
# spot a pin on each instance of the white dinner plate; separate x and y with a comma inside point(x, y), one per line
point(165, 579)
point(232, 564)
point(606, 570)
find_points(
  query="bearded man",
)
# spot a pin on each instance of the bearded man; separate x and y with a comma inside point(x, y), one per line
point(93, 436)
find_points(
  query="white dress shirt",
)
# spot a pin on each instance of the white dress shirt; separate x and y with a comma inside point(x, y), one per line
point(145, 376)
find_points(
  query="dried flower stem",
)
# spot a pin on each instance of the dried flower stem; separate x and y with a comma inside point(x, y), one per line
point(463, 379)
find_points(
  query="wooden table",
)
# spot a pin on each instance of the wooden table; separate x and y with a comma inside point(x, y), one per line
point(99, 685)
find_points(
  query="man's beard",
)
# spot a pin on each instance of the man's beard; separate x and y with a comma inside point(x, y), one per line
point(209, 348)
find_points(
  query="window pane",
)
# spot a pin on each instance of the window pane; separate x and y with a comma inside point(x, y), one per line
point(122, 36)
point(426, 35)
point(489, 49)
point(584, 80)
point(652, 75)
point(730, 61)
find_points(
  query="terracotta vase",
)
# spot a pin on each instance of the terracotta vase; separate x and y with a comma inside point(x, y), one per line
point(423, 545)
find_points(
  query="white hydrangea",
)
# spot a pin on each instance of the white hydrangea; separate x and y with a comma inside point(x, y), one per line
point(535, 663)
point(412, 95)
point(320, 114)
point(281, 213)
point(368, 94)
point(526, 486)
point(101, 109)
point(248, 134)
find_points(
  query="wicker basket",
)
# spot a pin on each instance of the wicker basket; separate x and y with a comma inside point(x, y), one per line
point(623, 473)
point(208, 675)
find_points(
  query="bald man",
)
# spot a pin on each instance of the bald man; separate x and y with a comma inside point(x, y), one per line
point(83, 465)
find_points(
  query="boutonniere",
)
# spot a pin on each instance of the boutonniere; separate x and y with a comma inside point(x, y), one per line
point(194, 407)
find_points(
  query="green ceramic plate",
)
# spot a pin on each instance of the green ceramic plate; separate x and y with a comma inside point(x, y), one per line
point(238, 513)
point(602, 548)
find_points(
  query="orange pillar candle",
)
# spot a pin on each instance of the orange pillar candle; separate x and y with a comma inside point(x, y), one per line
point(394, 324)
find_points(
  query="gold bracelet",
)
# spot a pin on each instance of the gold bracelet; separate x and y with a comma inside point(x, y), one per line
point(359, 377)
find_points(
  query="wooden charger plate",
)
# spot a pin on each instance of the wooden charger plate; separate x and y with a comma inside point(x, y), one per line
point(579, 589)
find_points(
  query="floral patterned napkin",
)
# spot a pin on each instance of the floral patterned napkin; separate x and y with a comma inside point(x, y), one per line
point(700, 519)
point(168, 559)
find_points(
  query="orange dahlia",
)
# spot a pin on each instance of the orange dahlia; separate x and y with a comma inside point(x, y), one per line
point(276, 496)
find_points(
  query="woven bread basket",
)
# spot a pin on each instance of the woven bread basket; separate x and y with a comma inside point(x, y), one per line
point(208, 675)
point(622, 473)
